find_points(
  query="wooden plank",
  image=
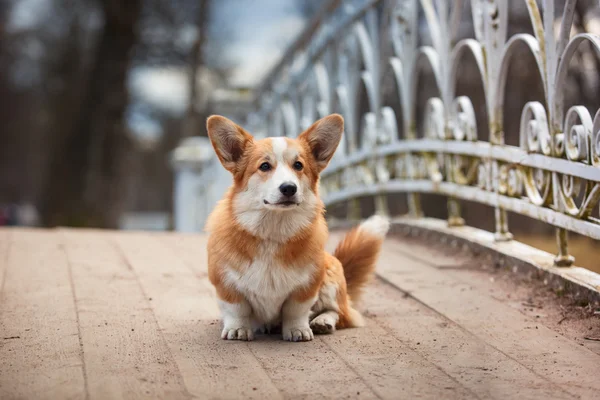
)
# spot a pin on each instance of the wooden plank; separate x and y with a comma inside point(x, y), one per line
point(124, 351)
point(478, 366)
point(444, 257)
point(309, 370)
point(187, 313)
point(316, 370)
point(191, 249)
point(39, 343)
point(532, 345)
point(392, 369)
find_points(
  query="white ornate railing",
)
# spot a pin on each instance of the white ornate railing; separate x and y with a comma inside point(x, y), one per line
point(338, 66)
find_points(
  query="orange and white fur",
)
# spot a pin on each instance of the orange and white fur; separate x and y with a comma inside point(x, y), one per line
point(266, 249)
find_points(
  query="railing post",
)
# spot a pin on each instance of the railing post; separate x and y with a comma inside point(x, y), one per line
point(381, 205)
point(502, 234)
point(414, 205)
point(563, 259)
point(454, 217)
point(353, 212)
point(414, 199)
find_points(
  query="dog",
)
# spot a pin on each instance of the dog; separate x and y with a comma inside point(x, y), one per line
point(266, 246)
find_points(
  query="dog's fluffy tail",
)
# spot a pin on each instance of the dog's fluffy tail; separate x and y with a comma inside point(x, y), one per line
point(358, 253)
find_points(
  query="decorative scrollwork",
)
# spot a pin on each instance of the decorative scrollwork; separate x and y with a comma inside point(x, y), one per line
point(515, 182)
point(591, 200)
point(369, 131)
point(534, 131)
point(365, 174)
point(596, 148)
point(483, 176)
point(417, 166)
point(389, 127)
point(578, 134)
point(382, 170)
point(510, 181)
point(435, 120)
point(464, 122)
point(572, 191)
point(400, 168)
point(331, 184)
point(559, 145)
point(348, 179)
point(538, 183)
point(595, 145)
point(571, 185)
point(463, 170)
point(434, 168)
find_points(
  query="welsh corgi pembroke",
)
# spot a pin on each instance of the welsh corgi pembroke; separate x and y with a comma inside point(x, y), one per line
point(266, 246)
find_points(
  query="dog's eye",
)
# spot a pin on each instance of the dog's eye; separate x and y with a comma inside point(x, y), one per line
point(298, 166)
point(265, 166)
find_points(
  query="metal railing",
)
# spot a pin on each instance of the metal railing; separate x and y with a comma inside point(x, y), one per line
point(553, 175)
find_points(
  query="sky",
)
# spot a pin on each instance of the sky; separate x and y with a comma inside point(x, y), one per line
point(262, 29)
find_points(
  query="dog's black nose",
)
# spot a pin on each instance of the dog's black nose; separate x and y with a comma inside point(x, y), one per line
point(288, 189)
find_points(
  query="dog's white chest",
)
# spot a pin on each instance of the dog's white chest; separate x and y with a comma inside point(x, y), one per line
point(266, 283)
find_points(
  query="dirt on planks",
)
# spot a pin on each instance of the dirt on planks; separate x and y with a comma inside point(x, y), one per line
point(556, 309)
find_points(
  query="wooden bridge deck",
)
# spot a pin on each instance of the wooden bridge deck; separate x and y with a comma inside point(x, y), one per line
point(103, 315)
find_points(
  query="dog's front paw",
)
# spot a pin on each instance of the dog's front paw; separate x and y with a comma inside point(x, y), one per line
point(241, 333)
point(297, 334)
point(323, 324)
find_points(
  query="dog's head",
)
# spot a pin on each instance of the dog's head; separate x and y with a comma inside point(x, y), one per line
point(278, 174)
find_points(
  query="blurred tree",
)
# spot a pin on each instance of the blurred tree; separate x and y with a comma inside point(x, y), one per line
point(38, 69)
point(94, 160)
point(85, 184)
point(191, 124)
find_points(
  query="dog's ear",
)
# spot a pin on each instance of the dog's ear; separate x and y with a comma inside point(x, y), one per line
point(323, 138)
point(228, 139)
